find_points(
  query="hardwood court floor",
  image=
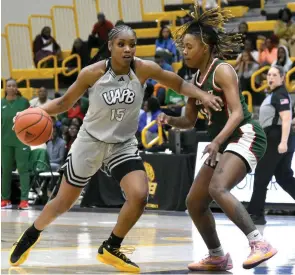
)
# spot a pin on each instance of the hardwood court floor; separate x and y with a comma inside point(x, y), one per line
point(164, 244)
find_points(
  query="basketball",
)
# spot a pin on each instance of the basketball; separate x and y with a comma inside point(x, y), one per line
point(33, 126)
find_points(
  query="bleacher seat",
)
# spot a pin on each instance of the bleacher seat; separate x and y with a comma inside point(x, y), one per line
point(131, 11)
point(64, 26)
point(255, 26)
point(86, 12)
point(20, 56)
point(111, 9)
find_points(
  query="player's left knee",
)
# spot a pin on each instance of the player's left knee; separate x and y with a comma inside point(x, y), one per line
point(216, 188)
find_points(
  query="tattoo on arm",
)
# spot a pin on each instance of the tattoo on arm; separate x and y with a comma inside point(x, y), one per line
point(60, 102)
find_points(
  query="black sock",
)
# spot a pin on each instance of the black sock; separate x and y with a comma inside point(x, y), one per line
point(33, 232)
point(113, 240)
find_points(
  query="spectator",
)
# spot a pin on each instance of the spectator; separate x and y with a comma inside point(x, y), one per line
point(71, 135)
point(285, 30)
point(45, 45)
point(78, 110)
point(76, 121)
point(81, 48)
point(165, 66)
point(186, 73)
point(269, 51)
point(187, 16)
point(99, 35)
point(283, 59)
point(151, 112)
point(210, 4)
point(245, 67)
point(41, 99)
point(249, 47)
point(56, 122)
point(56, 149)
point(166, 46)
point(174, 102)
point(12, 150)
point(246, 35)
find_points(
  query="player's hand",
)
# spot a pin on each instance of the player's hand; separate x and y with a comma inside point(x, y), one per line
point(212, 149)
point(283, 147)
point(15, 119)
point(211, 102)
point(163, 119)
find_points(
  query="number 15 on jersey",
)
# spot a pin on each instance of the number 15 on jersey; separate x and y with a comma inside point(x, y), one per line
point(117, 114)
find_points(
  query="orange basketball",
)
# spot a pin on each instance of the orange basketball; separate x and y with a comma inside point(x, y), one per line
point(33, 126)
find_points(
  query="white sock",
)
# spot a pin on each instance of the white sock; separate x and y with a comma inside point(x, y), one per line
point(255, 236)
point(216, 252)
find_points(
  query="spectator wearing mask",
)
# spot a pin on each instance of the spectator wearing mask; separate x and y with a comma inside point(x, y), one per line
point(56, 148)
point(100, 31)
point(269, 51)
point(45, 45)
point(275, 117)
point(12, 150)
point(166, 46)
point(285, 30)
point(41, 99)
point(151, 111)
point(283, 59)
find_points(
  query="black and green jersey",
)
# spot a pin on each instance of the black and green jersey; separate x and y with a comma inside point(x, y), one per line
point(218, 119)
point(8, 112)
point(248, 139)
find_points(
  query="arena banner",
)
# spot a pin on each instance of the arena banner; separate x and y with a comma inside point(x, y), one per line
point(169, 177)
point(243, 191)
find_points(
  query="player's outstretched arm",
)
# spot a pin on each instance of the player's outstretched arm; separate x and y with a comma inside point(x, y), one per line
point(169, 79)
point(184, 122)
point(86, 78)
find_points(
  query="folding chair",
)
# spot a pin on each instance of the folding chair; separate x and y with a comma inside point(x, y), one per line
point(42, 178)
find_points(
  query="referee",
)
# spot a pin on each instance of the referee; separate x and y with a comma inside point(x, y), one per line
point(275, 117)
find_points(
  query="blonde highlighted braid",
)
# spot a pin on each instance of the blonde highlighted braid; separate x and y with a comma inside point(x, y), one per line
point(210, 27)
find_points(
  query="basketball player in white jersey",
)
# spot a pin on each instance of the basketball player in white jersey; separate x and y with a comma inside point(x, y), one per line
point(116, 90)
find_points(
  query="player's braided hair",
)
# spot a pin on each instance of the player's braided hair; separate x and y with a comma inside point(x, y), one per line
point(210, 27)
point(118, 29)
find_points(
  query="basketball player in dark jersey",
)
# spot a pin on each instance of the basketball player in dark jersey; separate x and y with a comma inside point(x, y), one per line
point(237, 142)
point(116, 90)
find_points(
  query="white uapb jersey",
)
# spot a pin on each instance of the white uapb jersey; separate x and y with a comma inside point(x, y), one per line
point(114, 105)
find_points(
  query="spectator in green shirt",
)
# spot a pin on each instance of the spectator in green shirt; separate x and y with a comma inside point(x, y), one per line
point(174, 103)
point(12, 150)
